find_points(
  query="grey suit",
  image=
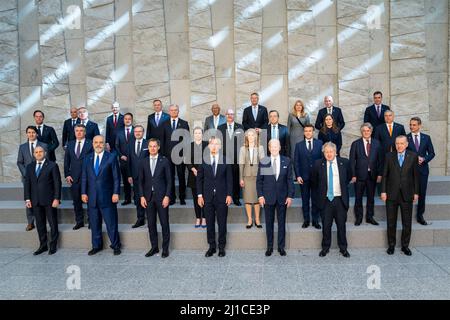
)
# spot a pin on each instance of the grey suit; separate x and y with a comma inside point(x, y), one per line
point(24, 158)
point(209, 121)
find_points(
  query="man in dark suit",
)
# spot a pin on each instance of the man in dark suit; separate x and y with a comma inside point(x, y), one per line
point(24, 158)
point(76, 152)
point(100, 188)
point(374, 114)
point(307, 152)
point(275, 190)
point(366, 168)
point(387, 132)
point(214, 187)
point(255, 116)
point(125, 137)
point(91, 127)
point(154, 193)
point(137, 150)
point(176, 135)
point(232, 135)
point(279, 132)
point(114, 123)
point(331, 176)
point(400, 188)
point(43, 193)
point(46, 134)
point(69, 127)
point(214, 120)
point(155, 123)
point(421, 144)
point(329, 108)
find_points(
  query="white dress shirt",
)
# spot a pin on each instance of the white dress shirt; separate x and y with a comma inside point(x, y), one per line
point(100, 155)
point(81, 146)
point(413, 135)
point(307, 143)
point(216, 121)
point(176, 122)
point(336, 184)
point(365, 144)
point(330, 110)
point(34, 143)
point(278, 165)
point(37, 164)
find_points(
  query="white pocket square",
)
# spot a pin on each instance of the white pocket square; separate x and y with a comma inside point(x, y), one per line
point(284, 167)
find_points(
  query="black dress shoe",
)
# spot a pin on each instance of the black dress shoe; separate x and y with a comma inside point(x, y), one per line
point(126, 202)
point(182, 202)
point(78, 226)
point(345, 253)
point(323, 253)
point(210, 252)
point(165, 254)
point(269, 252)
point(282, 252)
point(94, 251)
point(117, 251)
point(422, 221)
point(40, 250)
point(52, 251)
point(138, 224)
point(317, 225)
point(372, 221)
point(406, 251)
point(221, 252)
point(237, 203)
point(305, 224)
point(152, 252)
point(390, 250)
point(358, 221)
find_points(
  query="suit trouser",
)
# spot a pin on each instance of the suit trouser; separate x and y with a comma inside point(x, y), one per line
point(180, 170)
point(75, 189)
point(199, 212)
point(154, 207)
point(423, 183)
point(109, 215)
point(269, 214)
point(140, 211)
point(406, 207)
point(334, 210)
point(308, 193)
point(42, 215)
point(216, 209)
point(126, 184)
point(236, 185)
point(369, 186)
point(30, 214)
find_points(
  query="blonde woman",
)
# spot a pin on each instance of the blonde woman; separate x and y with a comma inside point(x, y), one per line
point(249, 156)
point(297, 120)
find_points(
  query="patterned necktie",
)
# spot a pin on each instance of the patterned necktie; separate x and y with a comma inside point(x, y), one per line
point(368, 148)
point(78, 152)
point(38, 169)
point(401, 159)
point(330, 192)
point(97, 165)
point(416, 142)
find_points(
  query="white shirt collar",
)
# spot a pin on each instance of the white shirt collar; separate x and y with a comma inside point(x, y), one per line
point(154, 157)
point(82, 140)
point(230, 124)
point(99, 154)
point(42, 162)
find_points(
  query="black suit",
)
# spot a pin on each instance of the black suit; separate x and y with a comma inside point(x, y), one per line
point(366, 169)
point(387, 141)
point(230, 149)
point(49, 137)
point(337, 116)
point(73, 167)
point(69, 131)
point(371, 116)
point(169, 145)
point(154, 188)
point(336, 208)
point(111, 130)
point(91, 130)
point(42, 190)
point(133, 172)
point(121, 148)
point(400, 184)
point(195, 160)
point(283, 137)
point(215, 189)
point(262, 119)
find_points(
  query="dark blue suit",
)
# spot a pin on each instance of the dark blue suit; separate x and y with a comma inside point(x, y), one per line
point(283, 137)
point(50, 139)
point(215, 189)
point(157, 131)
point(262, 118)
point(100, 189)
point(331, 136)
point(69, 131)
point(366, 169)
point(121, 148)
point(91, 130)
point(111, 130)
point(133, 172)
point(426, 151)
point(338, 207)
point(387, 141)
point(275, 192)
point(337, 115)
point(73, 167)
point(303, 165)
point(154, 188)
point(371, 116)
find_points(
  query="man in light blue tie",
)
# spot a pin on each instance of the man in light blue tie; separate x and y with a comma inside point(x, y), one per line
point(331, 177)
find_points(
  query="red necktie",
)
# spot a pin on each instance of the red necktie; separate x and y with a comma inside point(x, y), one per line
point(115, 121)
point(368, 148)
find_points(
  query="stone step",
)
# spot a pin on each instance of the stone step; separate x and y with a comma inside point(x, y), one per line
point(437, 185)
point(185, 237)
point(437, 208)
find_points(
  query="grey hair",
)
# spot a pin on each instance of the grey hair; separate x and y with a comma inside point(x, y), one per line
point(366, 125)
point(330, 145)
point(401, 137)
point(389, 111)
point(174, 105)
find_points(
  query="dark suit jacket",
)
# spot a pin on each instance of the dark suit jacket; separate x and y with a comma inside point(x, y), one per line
point(154, 131)
point(404, 180)
point(168, 143)
point(271, 189)
point(68, 131)
point(371, 116)
point(360, 163)
point(320, 181)
point(92, 130)
point(331, 136)
point(304, 160)
point(227, 143)
point(388, 142)
point(101, 188)
point(426, 150)
point(262, 118)
point(222, 182)
point(133, 159)
point(50, 139)
point(337, 115)
point(111, 131)
point(73, 166)
point(121, 143)
point(209, 122)
point(192, 180)
point(160, 181)
point(283, 137)
point(44, 189)
point(25, 157)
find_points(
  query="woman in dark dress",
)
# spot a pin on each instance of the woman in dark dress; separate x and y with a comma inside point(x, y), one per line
point(330, 132)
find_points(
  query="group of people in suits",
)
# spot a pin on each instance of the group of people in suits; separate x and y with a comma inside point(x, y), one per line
point(222, 159)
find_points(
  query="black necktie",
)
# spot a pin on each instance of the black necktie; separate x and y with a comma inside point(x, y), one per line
point(309, 146)
point(214, 166)
point(73, 123)
point(138, 150)
point(32, 149)
point(174, 125)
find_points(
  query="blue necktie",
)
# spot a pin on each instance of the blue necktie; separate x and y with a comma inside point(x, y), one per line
point(330, 193)
point(254, 113)
point(38, 169)
point(400, 159)
point(97, 165)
